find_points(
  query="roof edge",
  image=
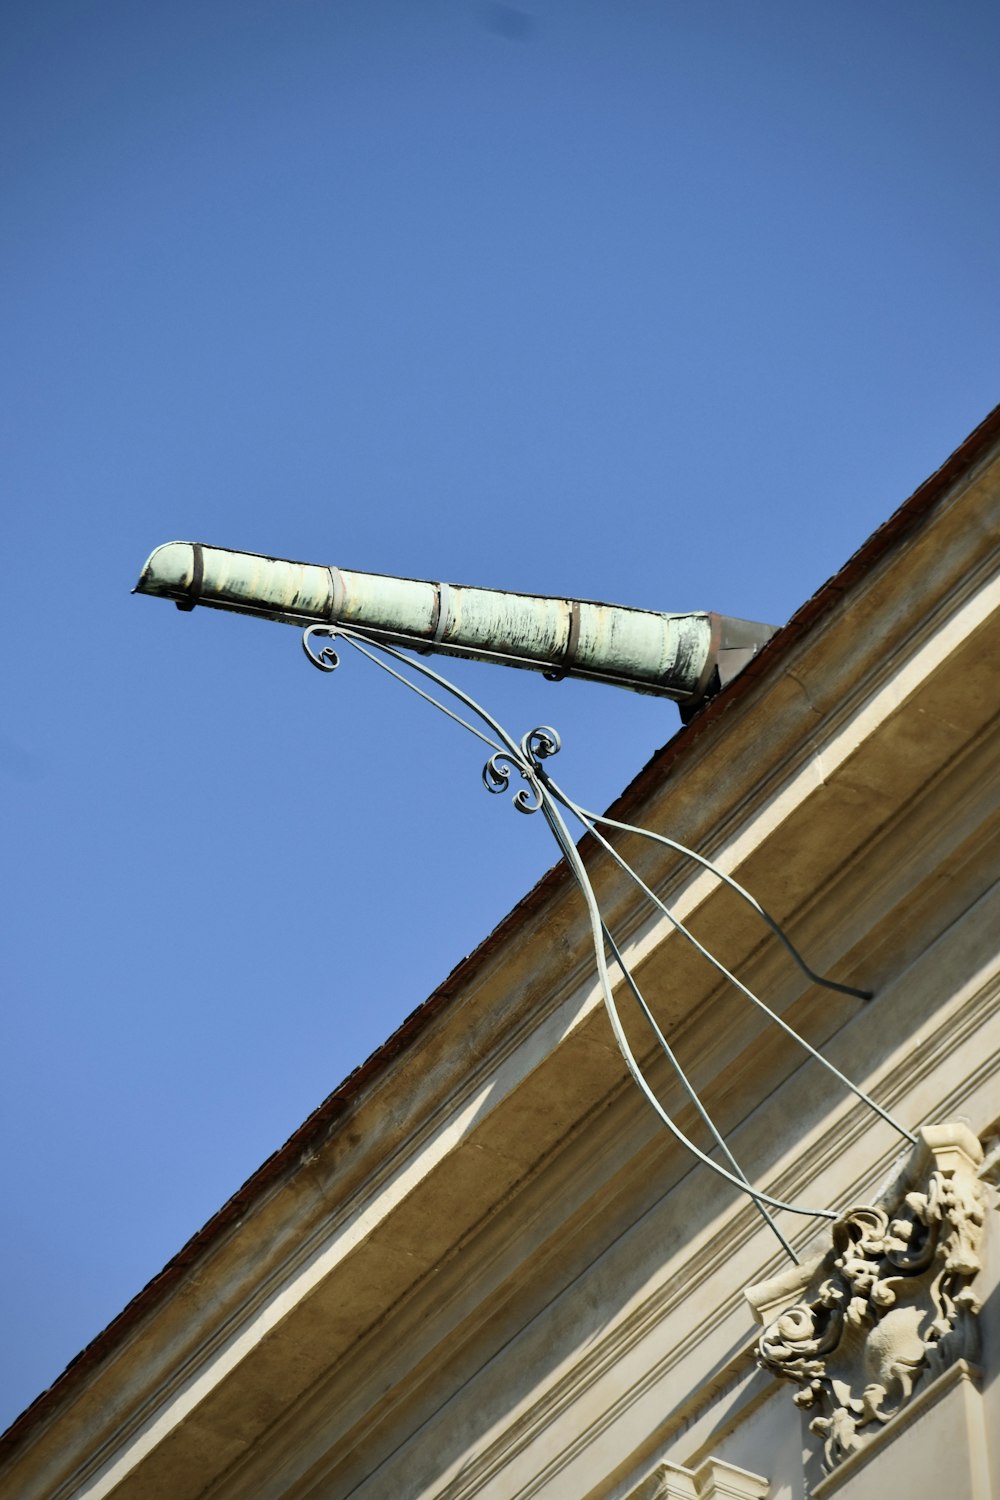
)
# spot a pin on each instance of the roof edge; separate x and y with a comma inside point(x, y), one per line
point(905, 521)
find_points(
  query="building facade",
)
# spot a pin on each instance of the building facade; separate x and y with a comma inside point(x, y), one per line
point(483, 1268)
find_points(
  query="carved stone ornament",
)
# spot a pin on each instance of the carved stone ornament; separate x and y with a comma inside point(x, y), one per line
point(888, 1304)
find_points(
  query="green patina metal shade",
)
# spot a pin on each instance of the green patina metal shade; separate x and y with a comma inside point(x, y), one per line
point(685, 657)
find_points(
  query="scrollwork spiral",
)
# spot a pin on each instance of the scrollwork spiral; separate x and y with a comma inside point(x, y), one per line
point(327, 659)
point(497, 774)
point(539, 743)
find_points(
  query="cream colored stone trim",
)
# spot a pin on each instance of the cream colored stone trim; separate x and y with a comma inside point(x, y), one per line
point(712, 1480)
point(970, 1010)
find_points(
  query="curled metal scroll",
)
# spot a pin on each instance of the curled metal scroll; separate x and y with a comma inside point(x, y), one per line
point(524, 758)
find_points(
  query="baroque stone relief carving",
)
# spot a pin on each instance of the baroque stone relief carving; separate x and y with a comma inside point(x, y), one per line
point(889, 1304)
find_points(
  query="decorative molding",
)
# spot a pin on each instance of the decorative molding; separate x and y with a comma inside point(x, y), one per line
point(889, 1304)
point(974, 1010)
point(712, 1480)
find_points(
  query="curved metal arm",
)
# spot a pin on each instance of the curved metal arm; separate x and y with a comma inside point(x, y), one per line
point(526, 757)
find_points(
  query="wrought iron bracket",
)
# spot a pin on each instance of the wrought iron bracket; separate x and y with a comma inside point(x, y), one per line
point(527, 757)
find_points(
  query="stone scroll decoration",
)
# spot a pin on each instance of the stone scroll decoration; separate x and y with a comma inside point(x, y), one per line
point(889, 1304)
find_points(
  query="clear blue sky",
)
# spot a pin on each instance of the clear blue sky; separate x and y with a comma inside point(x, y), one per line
point(663, 303)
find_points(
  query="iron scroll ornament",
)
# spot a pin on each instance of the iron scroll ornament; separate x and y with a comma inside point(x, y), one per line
point(526, 758)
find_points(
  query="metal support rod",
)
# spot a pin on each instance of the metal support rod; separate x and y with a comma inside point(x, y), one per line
point(540, 793)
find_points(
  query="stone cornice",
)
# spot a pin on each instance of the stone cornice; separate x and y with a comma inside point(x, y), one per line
point(705, 1267)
